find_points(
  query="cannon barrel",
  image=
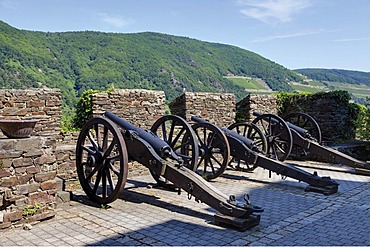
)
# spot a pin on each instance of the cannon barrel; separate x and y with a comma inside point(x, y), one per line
point(301, 131)
point(198, 120)
point(160, 146)
point(229, 133)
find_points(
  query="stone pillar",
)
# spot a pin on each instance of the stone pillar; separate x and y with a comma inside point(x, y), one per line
point(251, 103)
point(27, 179)
point(217, 108)
point(28, 166)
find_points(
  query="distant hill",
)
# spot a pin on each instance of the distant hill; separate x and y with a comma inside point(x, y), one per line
point(336, 75)
point(77, 61)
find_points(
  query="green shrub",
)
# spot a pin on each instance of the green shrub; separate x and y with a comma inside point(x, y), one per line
point(84, 107)
point(362, 122)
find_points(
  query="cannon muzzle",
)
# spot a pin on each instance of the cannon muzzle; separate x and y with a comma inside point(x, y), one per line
point(160, 146)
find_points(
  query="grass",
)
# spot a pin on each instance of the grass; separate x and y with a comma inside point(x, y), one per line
point(358, 90)
point(307, 89)
point(247, 83)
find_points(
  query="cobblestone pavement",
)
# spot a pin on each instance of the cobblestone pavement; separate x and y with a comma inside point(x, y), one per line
point(146, 215)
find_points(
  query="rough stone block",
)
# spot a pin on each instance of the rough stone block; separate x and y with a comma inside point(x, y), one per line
point(8, 182)
point(48, 185)
point(36, 103)
point(12, 216)
point(23, 179)
point(32, 169)
point(40, 197)
point(42, 177)
point(28, 143)
point(4, 173)
point(21, 162)
point(33, 152)
point(7, 144)
point(6, 163)
point(28, 188)
point(45, 159)
point(5, 154)
point(63, 196)
point(5, 225)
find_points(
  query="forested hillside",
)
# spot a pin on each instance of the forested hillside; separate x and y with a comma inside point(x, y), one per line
point(337, 75)
point(77, 61)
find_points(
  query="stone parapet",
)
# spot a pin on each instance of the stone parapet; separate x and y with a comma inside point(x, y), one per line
point(217, 108)
point(333, 115)
point(42, 104)
point(138, 106)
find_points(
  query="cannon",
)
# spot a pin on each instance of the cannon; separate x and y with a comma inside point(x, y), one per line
point(299, 136)
point(104, 146)
point(220, 148)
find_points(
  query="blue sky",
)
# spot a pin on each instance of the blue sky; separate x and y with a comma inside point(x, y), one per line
point(293, 33)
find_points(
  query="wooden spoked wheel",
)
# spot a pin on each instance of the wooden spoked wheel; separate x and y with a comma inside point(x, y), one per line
point(101, 160)
point(308, 123)
point(252, 132)
point(278, 135)
point(214, 151)
point(179, 135)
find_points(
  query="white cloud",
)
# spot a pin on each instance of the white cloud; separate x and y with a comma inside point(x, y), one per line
point(290, 35)
point(115, 20)
point(272, 11)
point(352, 39)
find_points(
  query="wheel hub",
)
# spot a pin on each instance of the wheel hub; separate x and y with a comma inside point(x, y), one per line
point(95, 159)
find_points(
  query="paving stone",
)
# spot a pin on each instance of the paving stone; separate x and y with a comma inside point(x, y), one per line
point(157, 217)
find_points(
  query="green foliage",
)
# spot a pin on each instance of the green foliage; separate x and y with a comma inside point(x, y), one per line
point(285, 99)
point(68, 118)
point(31, 210)
point(337, 75)
point(361, 116)
point(105, 206)
point(84, 109)
point(340, 96)
point(79, 61)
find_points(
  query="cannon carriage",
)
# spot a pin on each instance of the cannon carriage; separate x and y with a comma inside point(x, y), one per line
point(105, 144)
point(246, 154)
point(218, 149)
point(299, 136)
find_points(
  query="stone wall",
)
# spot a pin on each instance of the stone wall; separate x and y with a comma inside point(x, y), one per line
point(28, 166)
point(27, 178)
point(217, 108)
point(43, 104)
point(252, 102)
point(138, 106)
point(332, 113)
